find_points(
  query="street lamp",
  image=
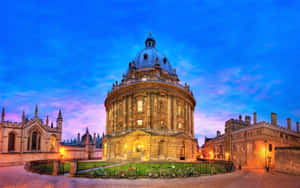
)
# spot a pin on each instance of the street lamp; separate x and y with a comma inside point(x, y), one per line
point(265, 141)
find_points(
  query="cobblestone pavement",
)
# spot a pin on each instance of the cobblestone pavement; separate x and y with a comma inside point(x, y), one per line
point(16, 176)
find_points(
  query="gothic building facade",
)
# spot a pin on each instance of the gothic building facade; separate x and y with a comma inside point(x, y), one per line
point(20, 141)
point(150, 115)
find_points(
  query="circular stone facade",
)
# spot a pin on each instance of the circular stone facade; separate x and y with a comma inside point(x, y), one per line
point(149, 115)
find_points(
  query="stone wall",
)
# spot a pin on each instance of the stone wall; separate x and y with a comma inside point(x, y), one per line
point(9, 159)
point(79, 153)
point(287, 160)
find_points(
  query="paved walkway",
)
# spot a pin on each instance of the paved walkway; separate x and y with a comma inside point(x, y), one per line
point(17, 177)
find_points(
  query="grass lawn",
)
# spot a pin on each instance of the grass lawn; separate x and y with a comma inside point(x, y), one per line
point(47, 168)
point(82, 165)
point(143, 169)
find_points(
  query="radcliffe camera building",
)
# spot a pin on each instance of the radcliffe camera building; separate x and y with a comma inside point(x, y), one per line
point(149, 114)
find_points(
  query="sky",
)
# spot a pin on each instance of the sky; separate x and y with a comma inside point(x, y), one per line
point(239, 57)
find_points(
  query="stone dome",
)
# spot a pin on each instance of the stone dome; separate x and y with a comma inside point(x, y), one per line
point(150, 57)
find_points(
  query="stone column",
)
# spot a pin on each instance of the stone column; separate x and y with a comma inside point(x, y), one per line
point(130, 111)
point(126, 113)
point(169, 109)
point(73, 168)
point(192, 123)
point(175, 109)
point(191, 120)
point(55, 170)
point(186, 124)
point(154, 125)
point(148, 110)
point(107, 123)
point(297, 124)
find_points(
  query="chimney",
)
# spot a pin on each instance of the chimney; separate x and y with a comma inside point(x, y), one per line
point(289, 123)
point(297, 123)
point(3, 115)
point(94, 140)
point(248, 119)
point(47, 121)
point(78, 139)
point(273, 118)
point(218, 133)
point(23, 117)
point(254, 118)
point(240, 117)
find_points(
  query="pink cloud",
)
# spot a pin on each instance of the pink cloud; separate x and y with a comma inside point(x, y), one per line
point(92, 116)
point(208, 125)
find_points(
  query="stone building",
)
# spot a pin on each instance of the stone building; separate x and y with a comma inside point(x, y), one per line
point(251, 144)
point(85, 147)
point(150, 115)
point(29, 139)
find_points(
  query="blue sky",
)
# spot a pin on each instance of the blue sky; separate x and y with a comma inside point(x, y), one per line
point(238, 56)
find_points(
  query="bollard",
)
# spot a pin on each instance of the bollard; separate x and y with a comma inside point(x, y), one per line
point(73, 168)
point(55, 170)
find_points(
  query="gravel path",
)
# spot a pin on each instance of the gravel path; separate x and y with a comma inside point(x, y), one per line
point(16, 176)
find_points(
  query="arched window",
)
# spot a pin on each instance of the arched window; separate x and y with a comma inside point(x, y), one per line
point(35, 141)
point(53, 142)
point(161, 149)
point(140, 106)
point(11, 141)
point(28, 143)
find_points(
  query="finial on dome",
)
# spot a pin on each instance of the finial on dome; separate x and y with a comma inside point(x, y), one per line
point(150, 42)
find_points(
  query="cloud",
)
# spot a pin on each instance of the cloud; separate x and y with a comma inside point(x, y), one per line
point(206, 125)
point(92, 116)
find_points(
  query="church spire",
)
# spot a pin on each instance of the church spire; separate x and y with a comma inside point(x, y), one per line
point(36, 111)
point(3, 115)
point(59, 115)
point(23, 117)
point(47, 120)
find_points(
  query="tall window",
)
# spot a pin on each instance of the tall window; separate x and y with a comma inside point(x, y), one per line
point(11, 141)
point(35, 141)
point(109, 115)
point(180, 125)
point(53, 143)
point(140, 106)
point(28, 143)
point(179, 110)
point(140, 122)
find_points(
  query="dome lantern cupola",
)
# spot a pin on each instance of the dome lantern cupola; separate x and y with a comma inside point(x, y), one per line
point(150, 42)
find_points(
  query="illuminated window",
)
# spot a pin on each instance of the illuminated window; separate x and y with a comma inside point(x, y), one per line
point(140, 122)
point(109, 115)
point(179, 110)
point(139, 148)
point(105, 149)
point(140, 106)
point(179, 125)
point(53, 142)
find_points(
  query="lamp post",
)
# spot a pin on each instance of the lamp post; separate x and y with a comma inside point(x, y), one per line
point(265, 141)
point(62, 160)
